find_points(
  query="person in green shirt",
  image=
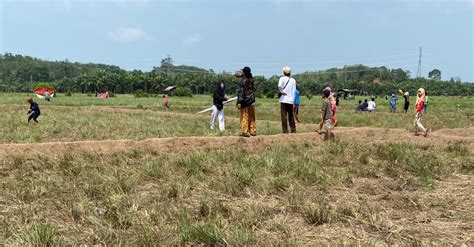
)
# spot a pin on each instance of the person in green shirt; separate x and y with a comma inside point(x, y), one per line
point(326, 114)
point(425, 106)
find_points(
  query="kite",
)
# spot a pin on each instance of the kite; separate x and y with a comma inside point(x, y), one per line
point(225, 102)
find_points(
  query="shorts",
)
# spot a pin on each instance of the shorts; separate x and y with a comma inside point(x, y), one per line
point(328, 124)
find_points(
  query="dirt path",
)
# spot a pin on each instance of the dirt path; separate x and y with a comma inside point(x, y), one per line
point(445, 137)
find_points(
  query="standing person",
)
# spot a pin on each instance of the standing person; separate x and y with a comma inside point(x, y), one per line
point(47, 95)
point(425, 106)
point(332, 98)
point(246, 102)
point(218, 105)
point(393, 103)
point(406, 97)
point(296, 106)
point(326, 114)
point(420, 102)
point(287, 88)
point(166, 101)
point(34, 110)
point(371, 105)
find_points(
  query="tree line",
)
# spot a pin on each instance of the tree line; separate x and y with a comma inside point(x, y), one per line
point(23, 73)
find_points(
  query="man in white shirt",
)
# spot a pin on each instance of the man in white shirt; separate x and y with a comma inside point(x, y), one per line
point(287, 88)
point(371, 106)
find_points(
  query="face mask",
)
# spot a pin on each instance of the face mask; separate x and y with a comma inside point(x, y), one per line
point(222, 85)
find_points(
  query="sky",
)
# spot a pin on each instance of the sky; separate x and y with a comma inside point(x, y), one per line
point(226, 35)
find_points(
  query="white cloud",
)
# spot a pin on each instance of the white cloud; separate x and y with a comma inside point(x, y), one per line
point(192, 39)
point(127, 35)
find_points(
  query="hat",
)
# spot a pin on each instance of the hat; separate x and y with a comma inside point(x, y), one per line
point(287, 70)
point(406, 93)
point(393, 94)
point(246, 70)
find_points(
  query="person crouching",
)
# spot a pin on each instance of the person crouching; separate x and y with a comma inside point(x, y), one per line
point(34, 111)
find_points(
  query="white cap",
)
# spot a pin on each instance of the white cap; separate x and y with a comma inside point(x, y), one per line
point(406, 93)
point(287, 69)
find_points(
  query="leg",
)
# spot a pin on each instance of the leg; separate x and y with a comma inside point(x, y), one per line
point(35, 117)
point(244, 119)
point(252, 122)
point(213, 116)
point(30, 117)
point(284, 118)
point(220, 116)
point(320, 127)
point(291, 117)
point(418, 123)
point(296, 110)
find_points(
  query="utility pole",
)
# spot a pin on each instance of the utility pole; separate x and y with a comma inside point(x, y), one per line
point(418, 72)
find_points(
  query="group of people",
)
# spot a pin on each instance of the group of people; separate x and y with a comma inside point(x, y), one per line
point(366, 105)
point(289, 104)
point(289, 98)
point(406, 96)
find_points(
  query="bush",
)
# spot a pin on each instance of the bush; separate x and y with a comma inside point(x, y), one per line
point(270, 95)
point(183, 92)
point(111, 95)
point(309, 96)
point(68, 94)
point(140, 94)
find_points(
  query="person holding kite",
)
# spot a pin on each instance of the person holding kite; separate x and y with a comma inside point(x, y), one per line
point(218, 107)
point(246, 102)
point(34, 110)
point(420, 101)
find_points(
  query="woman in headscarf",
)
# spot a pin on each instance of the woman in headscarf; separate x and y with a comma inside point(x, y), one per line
point(246, 102)
point(218, 105)
point(420, 101)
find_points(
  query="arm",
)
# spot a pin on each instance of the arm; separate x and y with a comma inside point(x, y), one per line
point(281, 84)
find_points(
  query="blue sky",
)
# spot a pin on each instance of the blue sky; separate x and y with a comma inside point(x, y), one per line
point(229, 34)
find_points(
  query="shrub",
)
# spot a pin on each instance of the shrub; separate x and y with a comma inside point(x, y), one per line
point(111, 95)
point(140, 94)
point(270, 95)
point(183, 92)
point(68, 94)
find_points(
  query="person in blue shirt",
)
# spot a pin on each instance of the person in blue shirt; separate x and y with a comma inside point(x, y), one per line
point(34, 110)
point(296, 105)
point(393, 103)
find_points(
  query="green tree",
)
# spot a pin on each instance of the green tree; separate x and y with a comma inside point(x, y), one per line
point(435, 75)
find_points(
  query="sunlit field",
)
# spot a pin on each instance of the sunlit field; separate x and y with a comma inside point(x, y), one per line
point(82, 117)
point(396, 189)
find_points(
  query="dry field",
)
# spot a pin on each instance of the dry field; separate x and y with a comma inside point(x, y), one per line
point(127, 172)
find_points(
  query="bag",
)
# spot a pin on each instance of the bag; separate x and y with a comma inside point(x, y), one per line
point(279, 92)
